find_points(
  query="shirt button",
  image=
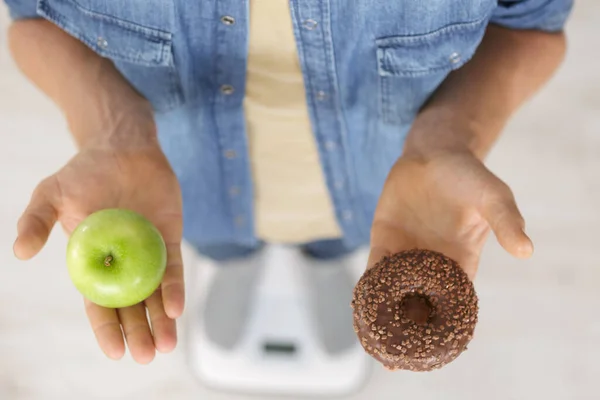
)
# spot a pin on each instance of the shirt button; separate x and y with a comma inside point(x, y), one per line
point(321, 95)
point(228, 20)
point(338, 185)
point(455, 58)
point(101, 42)
point(227, 89)
point(330, 145)
point(347, 215)
point(230, 154)
point(240, 220)
point(310, 24)
point(234, 191)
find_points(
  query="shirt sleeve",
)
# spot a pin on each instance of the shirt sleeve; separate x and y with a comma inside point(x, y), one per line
point(545, 15)
point(20, 9)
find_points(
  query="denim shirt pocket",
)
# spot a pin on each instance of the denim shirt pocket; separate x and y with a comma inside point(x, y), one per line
point(411, 68)
point(142, 54)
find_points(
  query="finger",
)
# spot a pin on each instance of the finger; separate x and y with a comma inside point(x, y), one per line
point(376, 254)
point(137, 333)
point(173, 288)
point(107, 329)
point(386, 239)
point(164, 329)
point(469, 262)
point(37, 222)
point(507, 223)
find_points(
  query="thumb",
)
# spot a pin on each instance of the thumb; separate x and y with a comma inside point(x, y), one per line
point(376, 254)
point(507, 223)
point(37, 221)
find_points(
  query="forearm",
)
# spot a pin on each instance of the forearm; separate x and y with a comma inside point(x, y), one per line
point(472, 106)
point(95, 99)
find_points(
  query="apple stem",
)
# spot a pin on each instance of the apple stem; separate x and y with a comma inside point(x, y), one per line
point(107, 261)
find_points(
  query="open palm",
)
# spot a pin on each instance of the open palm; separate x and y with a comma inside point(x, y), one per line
point(447, 204)
point(140, 180)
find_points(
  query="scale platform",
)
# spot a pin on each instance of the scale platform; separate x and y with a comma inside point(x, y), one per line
point(279, 352)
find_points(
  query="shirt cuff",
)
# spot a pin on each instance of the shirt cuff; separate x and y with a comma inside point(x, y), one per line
point(545, 15)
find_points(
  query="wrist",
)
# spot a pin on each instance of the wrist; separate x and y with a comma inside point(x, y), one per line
point(104, 109)
point(442, 131)
point(122, 126)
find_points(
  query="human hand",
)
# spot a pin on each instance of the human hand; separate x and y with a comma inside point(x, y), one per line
point(447, 202)
point(130, 174)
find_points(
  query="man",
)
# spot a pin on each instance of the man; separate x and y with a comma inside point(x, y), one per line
point(323, 123)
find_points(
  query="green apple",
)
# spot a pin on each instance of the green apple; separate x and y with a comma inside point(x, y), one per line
point(116, 258)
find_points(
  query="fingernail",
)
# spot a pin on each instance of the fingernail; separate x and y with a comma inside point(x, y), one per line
point(14, 248)
point(526, 249)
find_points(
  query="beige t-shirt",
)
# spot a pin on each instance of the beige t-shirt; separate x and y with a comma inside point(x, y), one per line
point(292, 203)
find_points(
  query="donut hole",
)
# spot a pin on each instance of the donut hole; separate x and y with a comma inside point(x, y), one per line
point(417, 308)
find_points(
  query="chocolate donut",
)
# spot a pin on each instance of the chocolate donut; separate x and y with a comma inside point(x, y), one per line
point(415, 310)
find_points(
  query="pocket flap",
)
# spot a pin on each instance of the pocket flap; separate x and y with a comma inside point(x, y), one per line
point(445, 49)
point(108, 36)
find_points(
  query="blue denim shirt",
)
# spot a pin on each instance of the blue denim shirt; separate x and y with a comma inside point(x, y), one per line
point(368, 67)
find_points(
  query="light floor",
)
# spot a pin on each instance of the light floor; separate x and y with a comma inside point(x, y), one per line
point(539, 335)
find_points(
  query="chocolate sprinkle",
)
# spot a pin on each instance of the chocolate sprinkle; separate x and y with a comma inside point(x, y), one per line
point(415, 310)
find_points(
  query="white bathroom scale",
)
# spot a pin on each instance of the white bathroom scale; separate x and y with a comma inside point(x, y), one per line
point(279, 352)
